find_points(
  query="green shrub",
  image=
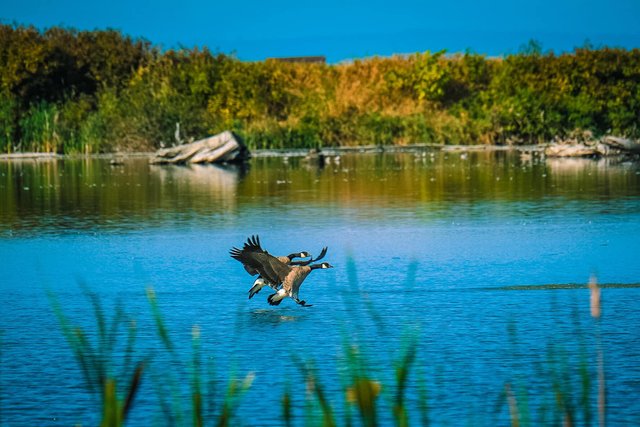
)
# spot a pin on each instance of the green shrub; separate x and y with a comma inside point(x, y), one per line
point(78, 91)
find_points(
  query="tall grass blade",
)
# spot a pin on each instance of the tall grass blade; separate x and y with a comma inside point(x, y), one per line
point(110, 411)
point(514, 414)
point(402, 375)
point(235, 390)
point(315, 388)
point(162, 330)
point(196, 393)
point(133, 389)
point(286, 408)
point(97, 361)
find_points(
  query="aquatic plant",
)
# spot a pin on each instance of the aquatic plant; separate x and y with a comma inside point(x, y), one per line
point(202, 399)
point(113, 371)
point(569, 384)
point(114, 376)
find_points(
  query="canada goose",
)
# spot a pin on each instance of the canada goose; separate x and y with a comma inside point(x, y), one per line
point(260, 282)
point(275, 272)
point(291, 283)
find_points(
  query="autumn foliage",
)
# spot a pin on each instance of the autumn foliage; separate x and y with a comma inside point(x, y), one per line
point(64, 90)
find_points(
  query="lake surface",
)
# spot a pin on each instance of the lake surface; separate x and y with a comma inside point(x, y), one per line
point(454, 251)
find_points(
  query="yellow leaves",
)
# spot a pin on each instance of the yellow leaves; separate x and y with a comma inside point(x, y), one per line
point(363, 390)
point(428, 75)
point(137, 91)
point(139, 74)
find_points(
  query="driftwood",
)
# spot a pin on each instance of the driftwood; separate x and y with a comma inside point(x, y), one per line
point(622, 143)
point(575, 150)
point(225, 147)
point(607, 146)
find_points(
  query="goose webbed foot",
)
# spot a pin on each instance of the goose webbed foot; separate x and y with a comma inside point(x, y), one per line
point(303, 303)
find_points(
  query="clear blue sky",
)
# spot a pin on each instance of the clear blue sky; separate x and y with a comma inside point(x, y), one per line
point(254, 30)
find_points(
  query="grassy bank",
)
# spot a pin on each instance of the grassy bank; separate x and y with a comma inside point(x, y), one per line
point(76, 91)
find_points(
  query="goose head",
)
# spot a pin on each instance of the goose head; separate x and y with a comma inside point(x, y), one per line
point(303, 254)
point(321, 265)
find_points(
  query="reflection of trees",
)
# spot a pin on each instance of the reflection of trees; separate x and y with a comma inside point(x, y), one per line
point(425, 179)
point(86, 193)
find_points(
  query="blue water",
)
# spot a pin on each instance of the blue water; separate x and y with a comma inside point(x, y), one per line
point(427, 251)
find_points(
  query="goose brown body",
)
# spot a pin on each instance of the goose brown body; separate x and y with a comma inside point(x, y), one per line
point(291, 285)
point(260, 282)
point(274, 271)
point(253, 247)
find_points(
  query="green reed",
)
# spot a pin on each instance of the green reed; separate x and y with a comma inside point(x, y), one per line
point(97, 356)
point(113, 370)
point(203, 391)
point(363, 393)
point(570, 383)
point(41, 128)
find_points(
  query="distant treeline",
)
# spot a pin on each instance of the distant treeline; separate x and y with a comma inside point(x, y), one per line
point(64, 90)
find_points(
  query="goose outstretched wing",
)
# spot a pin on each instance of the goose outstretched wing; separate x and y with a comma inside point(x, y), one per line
point(256, 259)
point(253, 244)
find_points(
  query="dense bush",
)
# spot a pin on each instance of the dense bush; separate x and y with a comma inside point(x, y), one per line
point(77, 91)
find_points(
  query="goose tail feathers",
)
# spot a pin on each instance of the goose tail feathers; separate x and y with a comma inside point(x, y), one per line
point(276, 299)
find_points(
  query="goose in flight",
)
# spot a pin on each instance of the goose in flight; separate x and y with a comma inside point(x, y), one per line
point(291, 283)
point(260, 282)
point(275, 272)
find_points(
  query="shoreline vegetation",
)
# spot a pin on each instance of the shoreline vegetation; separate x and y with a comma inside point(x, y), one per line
point(69, 92)
point(113, 371)
point(288, 152)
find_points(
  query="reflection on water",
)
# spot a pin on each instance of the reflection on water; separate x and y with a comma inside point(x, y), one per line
point(215, 185)
point(219, 179)
point(86, 193)
point(426, 243)
point(271, 317)
point(89, 193)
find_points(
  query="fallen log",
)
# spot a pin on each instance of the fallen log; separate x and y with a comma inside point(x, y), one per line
point(575, 150)
point(622, 143)
point(225, 147)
